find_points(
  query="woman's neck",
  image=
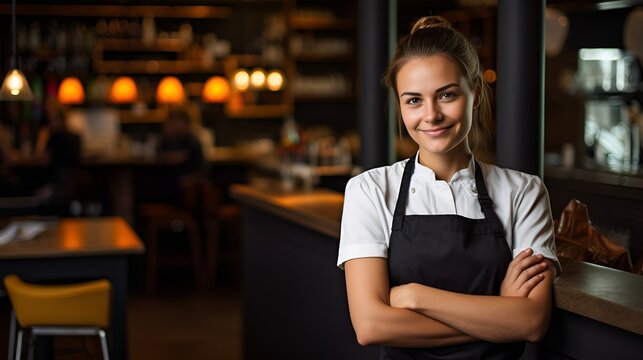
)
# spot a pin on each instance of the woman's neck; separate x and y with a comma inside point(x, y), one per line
point(445, 165)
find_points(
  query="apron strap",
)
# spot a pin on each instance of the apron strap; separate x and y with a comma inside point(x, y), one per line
point(403, 195)
point(486, 205)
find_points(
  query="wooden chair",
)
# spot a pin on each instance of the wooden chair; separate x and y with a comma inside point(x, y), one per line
point(163, 218)
point(218, 217)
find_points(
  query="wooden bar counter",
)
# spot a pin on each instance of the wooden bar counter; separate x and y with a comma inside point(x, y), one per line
point(295, 296)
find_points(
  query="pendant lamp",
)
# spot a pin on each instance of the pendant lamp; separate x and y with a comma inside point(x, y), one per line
point(216, 90)
point(123, 91)
point(15, 86)
point(170, 91)
point(71, 91)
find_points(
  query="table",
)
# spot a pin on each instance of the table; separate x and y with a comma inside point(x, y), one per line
point(78, 250)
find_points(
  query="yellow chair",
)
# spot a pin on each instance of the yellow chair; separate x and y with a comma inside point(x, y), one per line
point(51, 310)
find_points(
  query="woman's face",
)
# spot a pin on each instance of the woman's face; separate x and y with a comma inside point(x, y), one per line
point(436, 103)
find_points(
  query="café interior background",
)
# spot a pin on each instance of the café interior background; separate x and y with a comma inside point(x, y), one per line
point(592, 75)
point(268, 84)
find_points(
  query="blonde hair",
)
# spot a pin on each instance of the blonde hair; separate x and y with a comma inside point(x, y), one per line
point(434, 35)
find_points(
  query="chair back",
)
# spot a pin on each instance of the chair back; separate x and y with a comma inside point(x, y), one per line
point(84, 304)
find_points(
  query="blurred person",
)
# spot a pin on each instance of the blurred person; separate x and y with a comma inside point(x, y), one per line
point(179, 148)
point(9, 181)
point(59, 150)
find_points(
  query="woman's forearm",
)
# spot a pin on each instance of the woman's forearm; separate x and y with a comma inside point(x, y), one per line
point(376, 322)
point(390, 326)
point(491, 318)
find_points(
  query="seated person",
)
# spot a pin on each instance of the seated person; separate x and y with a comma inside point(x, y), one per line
point(180, 148)
point(59, 149)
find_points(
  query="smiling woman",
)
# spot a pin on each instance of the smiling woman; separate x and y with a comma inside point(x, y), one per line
point(436, 105)
point(445, 257)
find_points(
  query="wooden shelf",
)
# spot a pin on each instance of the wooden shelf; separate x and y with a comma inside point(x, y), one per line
point(154, 67)
point(324, 98)
point(259, 111)
point(120, 11)
point(138, 45)
point(320, 23)
point(323, 58)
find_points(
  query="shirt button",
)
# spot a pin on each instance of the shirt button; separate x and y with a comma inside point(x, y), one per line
point(413, 190)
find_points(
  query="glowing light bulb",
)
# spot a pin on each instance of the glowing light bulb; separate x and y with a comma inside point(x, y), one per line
point(275, 80)
point(258, 78)
point(15, 87)
point(15, 82)
point(242, 80)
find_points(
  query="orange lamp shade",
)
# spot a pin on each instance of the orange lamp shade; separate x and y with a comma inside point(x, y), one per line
point(123, 91)
point(170, 90)
point(216, 90)
point(71, 91)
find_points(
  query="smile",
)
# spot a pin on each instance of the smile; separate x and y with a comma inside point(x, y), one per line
point(437, 132)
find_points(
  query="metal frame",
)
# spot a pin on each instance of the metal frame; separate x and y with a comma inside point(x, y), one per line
point(52, 331)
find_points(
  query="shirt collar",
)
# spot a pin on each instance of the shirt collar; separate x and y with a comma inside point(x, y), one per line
point(465, 174)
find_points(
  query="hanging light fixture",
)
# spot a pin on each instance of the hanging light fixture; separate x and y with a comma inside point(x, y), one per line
point(241, 80)
point(71, 91)
point(123, 91)
point(275, 80)
point(216, 90)
point(15, 86)
point(170, 91)
point(258, 78)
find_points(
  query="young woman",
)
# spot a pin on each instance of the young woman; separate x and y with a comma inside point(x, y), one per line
point(446, 257)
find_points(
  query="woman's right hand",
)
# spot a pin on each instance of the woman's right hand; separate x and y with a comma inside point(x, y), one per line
point(523, 274)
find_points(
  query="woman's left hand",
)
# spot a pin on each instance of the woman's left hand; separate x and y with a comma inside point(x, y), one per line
point(403, 296)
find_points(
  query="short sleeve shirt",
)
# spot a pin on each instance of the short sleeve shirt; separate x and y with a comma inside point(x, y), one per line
point(520, 200)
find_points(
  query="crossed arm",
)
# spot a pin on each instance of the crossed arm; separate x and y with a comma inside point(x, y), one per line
point(415, 315)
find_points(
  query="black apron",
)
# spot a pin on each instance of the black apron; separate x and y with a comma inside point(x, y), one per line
point(453, 253)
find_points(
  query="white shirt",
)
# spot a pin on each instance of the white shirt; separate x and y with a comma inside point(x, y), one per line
point(520, 200)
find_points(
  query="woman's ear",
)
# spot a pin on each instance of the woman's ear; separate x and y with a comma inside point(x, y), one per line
point(477, 99)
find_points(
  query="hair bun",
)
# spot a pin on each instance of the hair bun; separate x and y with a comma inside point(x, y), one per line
point(428, 22)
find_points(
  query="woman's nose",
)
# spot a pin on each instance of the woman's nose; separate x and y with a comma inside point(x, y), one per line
point(432, 112)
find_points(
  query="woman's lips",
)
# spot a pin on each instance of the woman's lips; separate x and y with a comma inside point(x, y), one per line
point(438, 131)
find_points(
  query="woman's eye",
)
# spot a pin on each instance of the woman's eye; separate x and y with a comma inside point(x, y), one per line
point(413, 101)
point(447, 96)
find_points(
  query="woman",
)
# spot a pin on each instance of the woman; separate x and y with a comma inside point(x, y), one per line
point(445, 257)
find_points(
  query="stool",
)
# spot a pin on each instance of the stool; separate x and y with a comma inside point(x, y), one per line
point(217, 216)
point(163, 217)
point(52, 310)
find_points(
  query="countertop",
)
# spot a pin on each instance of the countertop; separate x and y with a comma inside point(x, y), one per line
point(610, 296)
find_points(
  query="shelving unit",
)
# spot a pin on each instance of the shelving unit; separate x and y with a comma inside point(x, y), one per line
point(321, 45)
point(183, 62)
